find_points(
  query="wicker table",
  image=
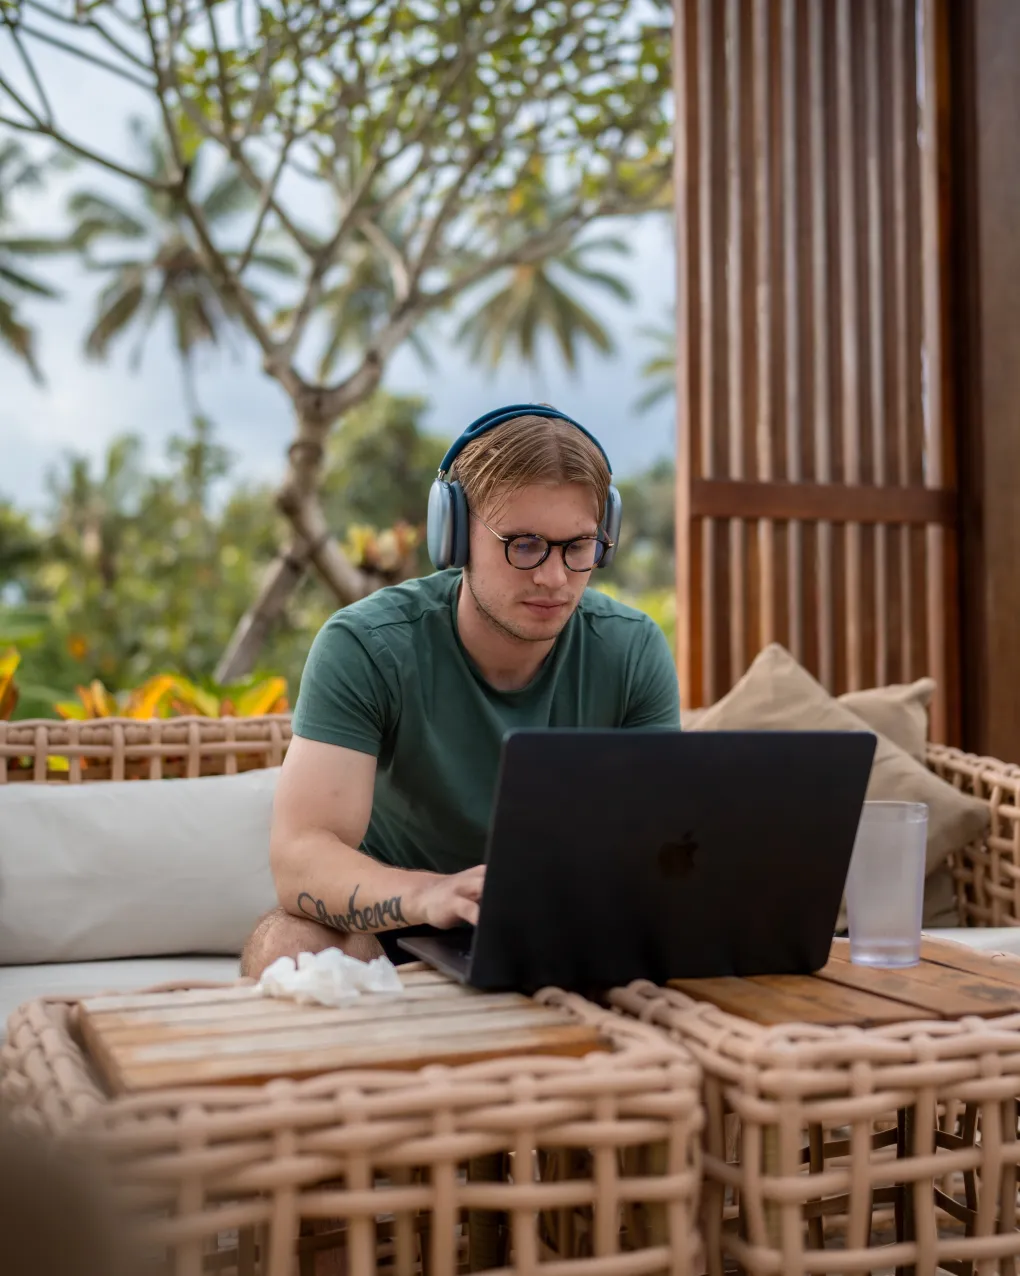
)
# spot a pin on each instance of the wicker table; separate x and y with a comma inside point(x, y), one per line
point(857, 1120)
point(592, 1161)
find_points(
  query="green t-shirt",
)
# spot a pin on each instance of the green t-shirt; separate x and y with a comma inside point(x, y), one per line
point(388, 676)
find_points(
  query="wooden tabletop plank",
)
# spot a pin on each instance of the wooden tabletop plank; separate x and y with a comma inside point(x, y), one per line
point(339, 1034)
point(228, 1011)
point(232, 1034)
point(779, 999)
point(416, 978)
point(960, 957)
point(572, 1040)
point(940, 990)
point(262, 1019)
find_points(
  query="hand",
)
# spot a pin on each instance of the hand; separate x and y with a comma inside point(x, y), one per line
point(448, 901)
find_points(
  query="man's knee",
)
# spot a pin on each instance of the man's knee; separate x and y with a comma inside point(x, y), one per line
point(281, 934)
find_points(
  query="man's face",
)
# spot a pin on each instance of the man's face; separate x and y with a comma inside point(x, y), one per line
point(532, 605)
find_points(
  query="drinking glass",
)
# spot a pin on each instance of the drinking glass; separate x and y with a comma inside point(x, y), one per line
point(885, 884)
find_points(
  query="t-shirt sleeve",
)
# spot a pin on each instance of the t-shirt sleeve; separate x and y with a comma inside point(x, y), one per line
point(343, 697)
point(654, 695)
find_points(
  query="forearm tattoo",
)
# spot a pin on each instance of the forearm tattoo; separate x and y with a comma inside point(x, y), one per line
point(382, 916)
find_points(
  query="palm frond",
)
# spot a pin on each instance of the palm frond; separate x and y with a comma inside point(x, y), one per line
point(230, 194)
point(601, 279)
point(18, 338)
point(653, 396)
point(34, 245)
point(119, 304)
point(25, 283)
point(97, 217)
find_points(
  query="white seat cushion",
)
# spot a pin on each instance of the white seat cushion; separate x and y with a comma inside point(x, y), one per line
point(134, 868)
point(19, 984)
point(989, 939)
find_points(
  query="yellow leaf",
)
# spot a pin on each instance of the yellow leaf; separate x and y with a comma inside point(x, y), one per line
point(145, 701)
point(260, 699)
point(189, 699)
point(85, 696)
point(54, 763)
point(9, 661)
point(104, 704)
point(71, 709)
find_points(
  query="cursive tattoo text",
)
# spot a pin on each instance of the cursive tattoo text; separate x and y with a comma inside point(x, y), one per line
point(381, 916)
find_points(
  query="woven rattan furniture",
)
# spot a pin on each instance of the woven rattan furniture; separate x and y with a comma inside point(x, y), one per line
point(987, 874)
point(593, 1162)
point(831, 1146)
point(46, 749)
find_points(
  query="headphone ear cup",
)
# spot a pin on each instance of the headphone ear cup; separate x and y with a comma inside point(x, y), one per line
point(611, 522)
point(460, 540)
point(439, 524)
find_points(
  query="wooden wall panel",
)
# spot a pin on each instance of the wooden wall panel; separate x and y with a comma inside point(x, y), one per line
point(816, 494)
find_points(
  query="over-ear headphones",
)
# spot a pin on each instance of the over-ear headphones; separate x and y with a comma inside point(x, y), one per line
point(447, 527)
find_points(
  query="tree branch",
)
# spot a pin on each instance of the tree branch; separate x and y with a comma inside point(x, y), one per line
point(76, 51)
point(29, 66)
point(92, 22)
point(221, 75)
point(399, 269)
point(306, 243)
point(41, 129)
point(323, 259)
point(444, 213)
point(168, 121)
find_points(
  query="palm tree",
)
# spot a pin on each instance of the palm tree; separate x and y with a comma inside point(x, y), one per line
point(163, 274)
point(18, 172)
point(537, 299)
point(660, 366)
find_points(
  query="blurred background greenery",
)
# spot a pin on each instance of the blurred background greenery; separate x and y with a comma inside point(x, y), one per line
point(324, 186)
point(143, 564)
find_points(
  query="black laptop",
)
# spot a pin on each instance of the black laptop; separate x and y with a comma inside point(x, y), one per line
point(653, 854)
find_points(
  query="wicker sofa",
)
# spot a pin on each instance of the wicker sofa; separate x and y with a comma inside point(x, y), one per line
point(986, 874)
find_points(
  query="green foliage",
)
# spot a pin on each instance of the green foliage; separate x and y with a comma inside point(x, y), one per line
point(379, 468)
point(646, 557)
point(143, 569)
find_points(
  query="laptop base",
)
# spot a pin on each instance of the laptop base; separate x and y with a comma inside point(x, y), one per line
point(448, 956)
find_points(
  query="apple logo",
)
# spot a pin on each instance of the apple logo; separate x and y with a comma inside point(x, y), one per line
point(676, 859)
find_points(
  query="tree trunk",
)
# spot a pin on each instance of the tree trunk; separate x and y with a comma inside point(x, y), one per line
point(313, 544)
point(282, 577)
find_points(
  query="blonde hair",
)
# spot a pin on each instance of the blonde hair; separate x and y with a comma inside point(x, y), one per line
point(527, 450)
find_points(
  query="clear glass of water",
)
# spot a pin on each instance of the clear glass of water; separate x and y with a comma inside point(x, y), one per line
point(885, 884)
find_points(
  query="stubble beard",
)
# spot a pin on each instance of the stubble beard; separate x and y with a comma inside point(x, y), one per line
point(504, 627)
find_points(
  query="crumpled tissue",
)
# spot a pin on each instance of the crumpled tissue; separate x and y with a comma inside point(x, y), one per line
point(331, 978)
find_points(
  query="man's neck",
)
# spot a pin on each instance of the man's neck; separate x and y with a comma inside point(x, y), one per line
point(505, 662)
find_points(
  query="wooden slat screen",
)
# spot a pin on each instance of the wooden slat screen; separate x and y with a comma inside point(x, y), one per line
point(814, 492)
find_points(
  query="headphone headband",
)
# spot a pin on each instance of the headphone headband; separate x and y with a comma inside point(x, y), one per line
point(498, 416)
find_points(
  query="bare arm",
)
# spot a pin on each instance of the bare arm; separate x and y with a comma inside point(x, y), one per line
point(320, 815)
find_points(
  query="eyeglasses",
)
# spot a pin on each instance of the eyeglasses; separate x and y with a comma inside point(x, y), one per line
point(528, 551)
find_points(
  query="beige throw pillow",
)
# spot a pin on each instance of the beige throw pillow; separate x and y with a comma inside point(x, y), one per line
point(777, 694)
point(899, 712)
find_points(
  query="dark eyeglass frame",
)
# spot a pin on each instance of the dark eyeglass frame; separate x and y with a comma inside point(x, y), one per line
point(549, 547)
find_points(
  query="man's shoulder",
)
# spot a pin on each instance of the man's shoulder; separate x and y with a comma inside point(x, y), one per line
point(397, 609)
point(607, 615)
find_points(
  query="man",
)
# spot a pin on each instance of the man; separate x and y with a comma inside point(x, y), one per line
point(383, 802)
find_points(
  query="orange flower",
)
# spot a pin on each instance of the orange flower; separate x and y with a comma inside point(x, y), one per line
point(77, 646)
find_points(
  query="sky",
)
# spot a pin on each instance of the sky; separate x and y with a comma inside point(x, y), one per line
point(84, 404)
